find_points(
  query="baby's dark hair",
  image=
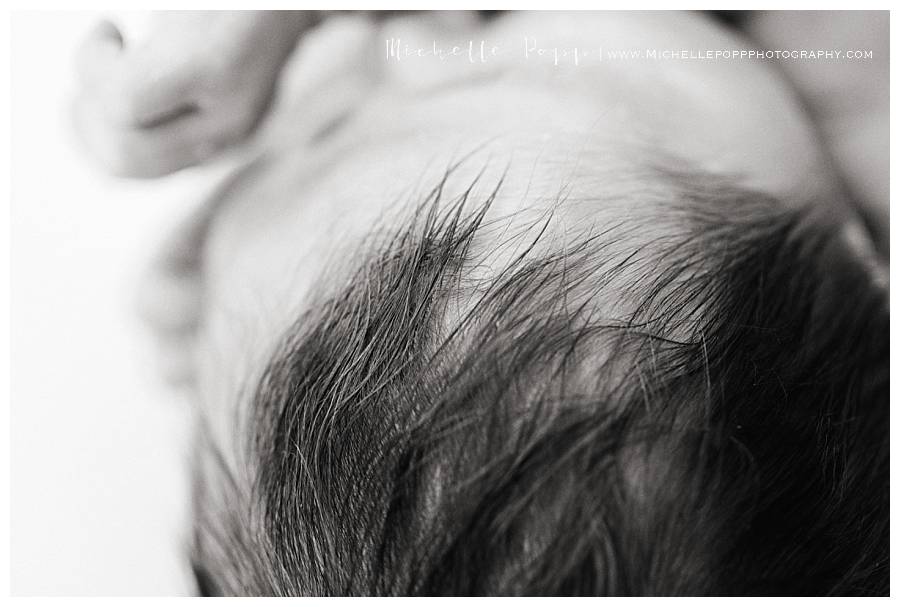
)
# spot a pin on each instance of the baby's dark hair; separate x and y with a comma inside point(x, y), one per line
point(424, 432)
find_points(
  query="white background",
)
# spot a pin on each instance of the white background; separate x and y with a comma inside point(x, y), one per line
point(98, 491)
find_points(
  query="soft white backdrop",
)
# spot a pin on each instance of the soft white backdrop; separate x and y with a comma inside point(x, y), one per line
point(98, 491)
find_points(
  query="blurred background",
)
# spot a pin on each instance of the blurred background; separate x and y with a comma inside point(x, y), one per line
point(98, 493)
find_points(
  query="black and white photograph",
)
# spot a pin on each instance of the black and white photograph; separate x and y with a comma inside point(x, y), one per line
point(449, 303)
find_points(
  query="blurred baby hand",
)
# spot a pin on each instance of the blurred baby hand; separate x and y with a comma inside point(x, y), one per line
point(199, 83)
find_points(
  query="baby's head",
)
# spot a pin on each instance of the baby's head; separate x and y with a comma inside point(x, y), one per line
point(690, 400)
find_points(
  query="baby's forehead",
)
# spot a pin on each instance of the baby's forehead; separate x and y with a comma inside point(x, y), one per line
point(589, 211)
point(294, 228)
